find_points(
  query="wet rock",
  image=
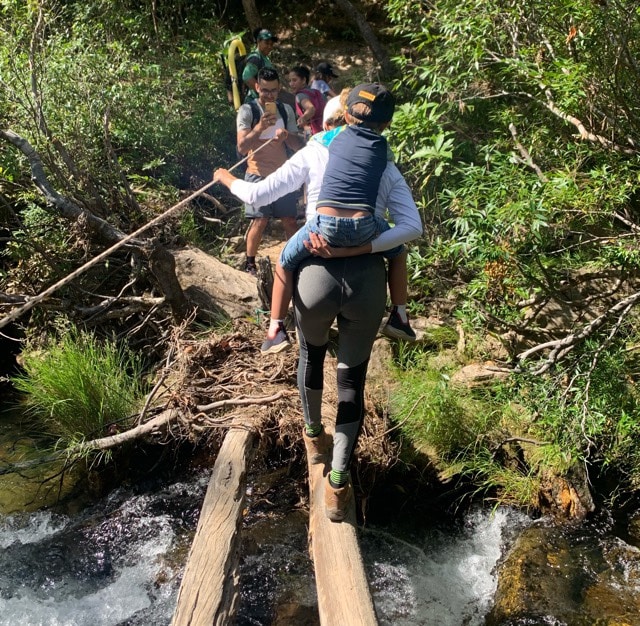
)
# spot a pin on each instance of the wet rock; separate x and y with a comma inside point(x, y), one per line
point(573, 576)
point(568, 496)
point(298, 614)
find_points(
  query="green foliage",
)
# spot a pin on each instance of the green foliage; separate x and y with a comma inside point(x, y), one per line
point(460, 428)
point(189, 229)
point(115, 93)
point(590, 410)
point(518, 132)
point(542, 183)
point(509, 484)
point(504, 437)
point(212, 238)
point(434, 338)
point(32, 248)
point(77, 388)
point(412, 125)
point(434, 414)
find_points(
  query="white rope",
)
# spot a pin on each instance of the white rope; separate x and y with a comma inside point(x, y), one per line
point(31, 302)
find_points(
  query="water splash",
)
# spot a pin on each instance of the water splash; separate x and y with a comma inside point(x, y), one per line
point(119, 563)
point(25, 529)
point(109, 566)
point(445, 578)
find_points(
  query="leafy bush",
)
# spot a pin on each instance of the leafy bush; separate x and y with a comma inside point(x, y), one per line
point(536, 105)
point(589, 409)
point(463, 430)
point(505, 436)
point(519, 133)
point(111, 101)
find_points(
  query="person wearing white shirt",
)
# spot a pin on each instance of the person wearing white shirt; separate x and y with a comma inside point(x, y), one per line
point(343, 284)
point(265, 128)
point(307, 166)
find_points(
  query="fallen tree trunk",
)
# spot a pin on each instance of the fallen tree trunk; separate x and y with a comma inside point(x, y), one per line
point(209, 589)
point(104, 443)
point(163, 266)
point(344, 598)
point(113, 441)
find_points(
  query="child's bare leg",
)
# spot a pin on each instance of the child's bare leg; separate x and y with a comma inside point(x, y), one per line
point(280, 298)
point(398, 283)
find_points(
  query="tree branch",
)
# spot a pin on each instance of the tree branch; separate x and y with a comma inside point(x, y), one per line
point(562, 347)
point(203, 408)
point(526, 156)
point(582, 130)
point(65, 207)
point(379, 51)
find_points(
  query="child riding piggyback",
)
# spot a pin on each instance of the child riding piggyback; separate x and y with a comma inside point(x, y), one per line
point(345, 211)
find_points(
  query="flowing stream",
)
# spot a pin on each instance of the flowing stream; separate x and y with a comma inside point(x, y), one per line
point(446, 577)
point(118, 561)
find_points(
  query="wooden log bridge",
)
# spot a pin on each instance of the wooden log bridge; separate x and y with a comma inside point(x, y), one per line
point(209, 591)
point(344, 598)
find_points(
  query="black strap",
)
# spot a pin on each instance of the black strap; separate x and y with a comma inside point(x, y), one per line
point(254, 59)
point(283, 112)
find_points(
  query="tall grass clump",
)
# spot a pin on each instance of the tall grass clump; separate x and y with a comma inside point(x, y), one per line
point(436, 415)
point(462, 429)
point(78, 387)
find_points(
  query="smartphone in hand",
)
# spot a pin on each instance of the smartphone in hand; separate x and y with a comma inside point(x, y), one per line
point(270, 107)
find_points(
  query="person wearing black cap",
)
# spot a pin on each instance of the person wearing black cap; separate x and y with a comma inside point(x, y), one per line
point(345, 217)
point(350, 290)
point(345, 211)
point(335, 286)
point(257, 59)
point(322, 79)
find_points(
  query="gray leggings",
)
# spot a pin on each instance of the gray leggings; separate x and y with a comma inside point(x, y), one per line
point(352, 290)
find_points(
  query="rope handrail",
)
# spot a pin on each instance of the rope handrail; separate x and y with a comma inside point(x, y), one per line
point(31, 302)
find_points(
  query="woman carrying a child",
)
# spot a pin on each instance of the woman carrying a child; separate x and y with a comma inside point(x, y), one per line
point(348, 289)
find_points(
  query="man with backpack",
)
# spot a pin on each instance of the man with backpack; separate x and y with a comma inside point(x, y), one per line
point(309, 102)
point(256, 60)
point(262, 121)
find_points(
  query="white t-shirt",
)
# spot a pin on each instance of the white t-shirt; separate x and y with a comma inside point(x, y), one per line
point(271, 157)
point(322, 86)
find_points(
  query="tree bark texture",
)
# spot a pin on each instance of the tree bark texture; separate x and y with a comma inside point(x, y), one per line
point(344, 598)
point(379, 51)
point(163, 266)
point(265, 282)
point(251, 11)
point(209, 591)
